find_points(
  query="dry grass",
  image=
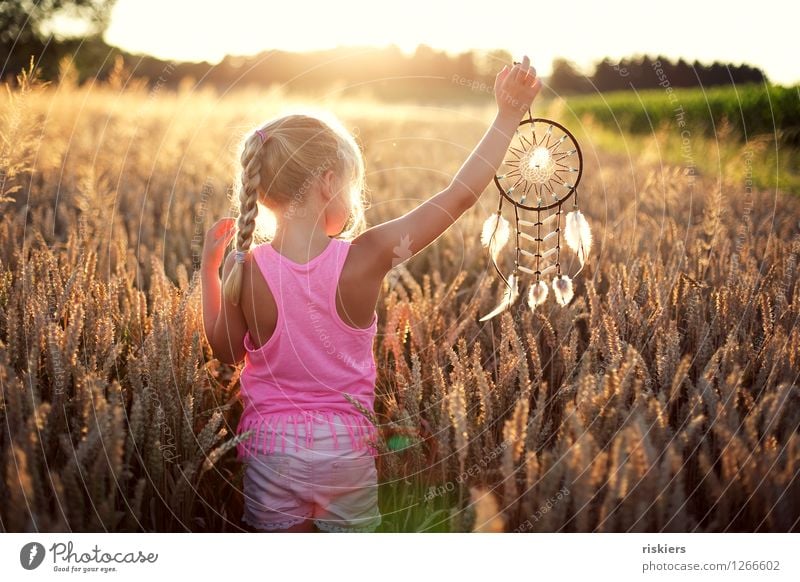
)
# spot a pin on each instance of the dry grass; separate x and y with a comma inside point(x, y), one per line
point(663, 398)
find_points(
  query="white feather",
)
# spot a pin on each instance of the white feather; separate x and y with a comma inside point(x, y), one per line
point(537, 294)
point(578, 235)
point(495, 234)
point(562, 289)
point(509, 297)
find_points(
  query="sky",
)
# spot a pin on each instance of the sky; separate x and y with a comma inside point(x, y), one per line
point(579, 30)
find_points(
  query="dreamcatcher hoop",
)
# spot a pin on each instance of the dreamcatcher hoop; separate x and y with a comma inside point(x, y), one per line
point(543, 161)
point(540, 168)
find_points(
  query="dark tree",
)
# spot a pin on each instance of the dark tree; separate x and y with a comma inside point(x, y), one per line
point(566, 79)
point(27, 29)
point(640, 73)
point(609, 76)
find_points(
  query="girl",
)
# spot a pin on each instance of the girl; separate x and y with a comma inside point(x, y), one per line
point(300, 310)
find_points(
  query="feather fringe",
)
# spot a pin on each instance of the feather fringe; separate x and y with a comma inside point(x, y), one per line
point(509, 297)
point(578, 235)
point(537, 294)
point(562, 289)
point(495, 234)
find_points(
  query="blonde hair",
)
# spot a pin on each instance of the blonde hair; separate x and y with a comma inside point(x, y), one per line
point(296, 150)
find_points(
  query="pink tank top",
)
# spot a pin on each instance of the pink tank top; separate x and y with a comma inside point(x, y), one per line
point(311, 359)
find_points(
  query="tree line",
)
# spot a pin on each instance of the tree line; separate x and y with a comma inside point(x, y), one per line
point(645, 72)
point(26, 30)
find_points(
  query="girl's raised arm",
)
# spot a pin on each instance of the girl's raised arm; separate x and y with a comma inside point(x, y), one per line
point(515, 89)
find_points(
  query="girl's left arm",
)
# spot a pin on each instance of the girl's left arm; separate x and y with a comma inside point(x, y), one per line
point(223, 322)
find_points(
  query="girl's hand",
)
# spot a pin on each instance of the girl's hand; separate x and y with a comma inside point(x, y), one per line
point(217, 238)
point(516, 88)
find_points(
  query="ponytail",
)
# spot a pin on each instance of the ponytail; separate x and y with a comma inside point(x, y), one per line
point(248, 209)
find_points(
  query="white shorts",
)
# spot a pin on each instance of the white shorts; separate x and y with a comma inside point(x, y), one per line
point(329, 482)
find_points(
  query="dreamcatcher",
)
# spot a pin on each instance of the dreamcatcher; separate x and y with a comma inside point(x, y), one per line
point(539, 176)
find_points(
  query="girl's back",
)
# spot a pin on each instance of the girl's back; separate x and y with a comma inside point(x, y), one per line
point(311, 357)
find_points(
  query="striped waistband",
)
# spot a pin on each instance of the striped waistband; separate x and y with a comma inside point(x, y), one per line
point(269, 431)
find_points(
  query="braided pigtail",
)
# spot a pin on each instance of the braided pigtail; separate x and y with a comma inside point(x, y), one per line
point(248, 209)
point(300, 146)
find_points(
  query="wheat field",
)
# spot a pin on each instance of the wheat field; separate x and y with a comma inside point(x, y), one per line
point(664, 397)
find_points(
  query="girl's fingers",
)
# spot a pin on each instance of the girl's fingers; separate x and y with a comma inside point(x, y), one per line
point(530, 73)
point(223, 224)
point(525, 65)
point(223, 229)
point(523, 73)
point(224, 232)
point(501, 77)
point(524, 76)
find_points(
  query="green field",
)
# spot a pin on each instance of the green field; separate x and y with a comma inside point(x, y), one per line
point(732, 131)
point(748, 110)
